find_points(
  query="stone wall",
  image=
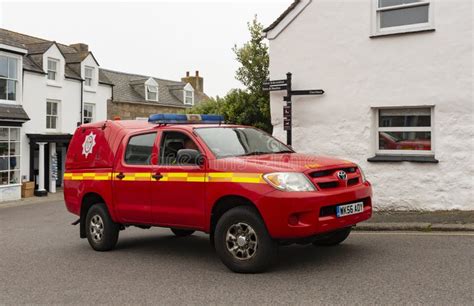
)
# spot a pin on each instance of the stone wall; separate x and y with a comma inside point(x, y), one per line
point(126, 110)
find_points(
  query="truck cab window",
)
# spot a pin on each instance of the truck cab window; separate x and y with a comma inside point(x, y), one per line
point(171, 143)
point(139, 149)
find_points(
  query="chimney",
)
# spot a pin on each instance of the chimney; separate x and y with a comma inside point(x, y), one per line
point(80, 47)
point(196, 81)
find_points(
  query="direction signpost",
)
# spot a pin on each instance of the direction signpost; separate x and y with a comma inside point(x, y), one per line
point(274, 85)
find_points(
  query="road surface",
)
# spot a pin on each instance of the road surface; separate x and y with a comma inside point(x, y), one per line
point(42, 260)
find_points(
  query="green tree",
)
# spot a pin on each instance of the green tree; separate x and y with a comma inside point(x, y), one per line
point(250, 106)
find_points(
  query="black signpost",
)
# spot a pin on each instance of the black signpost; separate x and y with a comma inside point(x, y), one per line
point(275, 85)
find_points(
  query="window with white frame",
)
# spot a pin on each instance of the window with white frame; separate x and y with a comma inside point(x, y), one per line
point(89, 111)
point(151, 93)
point(89, 76)
point(10, 156)
point(52, 114)
point(401, 16)
point(406, 131)
point(8, 78)
point(53, 65)
point(189, 97)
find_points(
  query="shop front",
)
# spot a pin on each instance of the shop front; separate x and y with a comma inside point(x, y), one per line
point(11, 119)
point(47, 160)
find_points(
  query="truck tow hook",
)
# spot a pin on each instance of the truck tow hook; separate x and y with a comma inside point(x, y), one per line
point(76, 222)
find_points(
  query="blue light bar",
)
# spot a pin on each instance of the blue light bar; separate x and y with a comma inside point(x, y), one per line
point(185, 118)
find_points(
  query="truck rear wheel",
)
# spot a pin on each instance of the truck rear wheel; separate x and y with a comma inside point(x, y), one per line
point(102, 232)
point(333, 238)
point(181, 232)
point(242, 241)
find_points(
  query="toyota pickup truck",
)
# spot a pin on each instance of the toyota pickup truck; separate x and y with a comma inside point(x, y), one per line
point(245, 189)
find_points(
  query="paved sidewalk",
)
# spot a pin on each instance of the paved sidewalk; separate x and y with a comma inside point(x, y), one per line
point(419, 221)
point(51, 197)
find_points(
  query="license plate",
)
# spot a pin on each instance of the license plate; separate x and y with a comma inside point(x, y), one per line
point(349, 209)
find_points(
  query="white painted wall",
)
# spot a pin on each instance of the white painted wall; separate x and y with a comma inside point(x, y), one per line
point(96, 94)
point(37, 90)
point(328, 46)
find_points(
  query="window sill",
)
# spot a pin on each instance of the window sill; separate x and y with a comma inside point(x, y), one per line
point(10, 185)
point(402, 32)
point(403, 158)
point(53, 84)
point(89, 89)
point(10, 102)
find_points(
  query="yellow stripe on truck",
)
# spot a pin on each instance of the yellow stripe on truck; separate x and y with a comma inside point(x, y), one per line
point(212, 177)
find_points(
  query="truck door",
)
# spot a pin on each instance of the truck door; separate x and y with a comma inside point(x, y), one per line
point(132, 178)
point(178, 191)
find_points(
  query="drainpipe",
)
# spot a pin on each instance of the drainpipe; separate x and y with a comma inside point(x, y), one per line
point(82, 103)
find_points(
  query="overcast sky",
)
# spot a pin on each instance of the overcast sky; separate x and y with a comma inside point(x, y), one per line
point(161, 38)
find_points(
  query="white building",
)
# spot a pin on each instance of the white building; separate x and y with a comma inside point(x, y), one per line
point(46, 90)
point(398, 81)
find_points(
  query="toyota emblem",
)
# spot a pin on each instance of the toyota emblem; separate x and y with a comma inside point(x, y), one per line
point(342, 175)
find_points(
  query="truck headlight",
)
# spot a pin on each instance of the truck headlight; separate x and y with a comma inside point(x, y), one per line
point(289, 181)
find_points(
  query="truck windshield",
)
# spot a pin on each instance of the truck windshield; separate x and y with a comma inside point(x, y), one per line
point(240, 141)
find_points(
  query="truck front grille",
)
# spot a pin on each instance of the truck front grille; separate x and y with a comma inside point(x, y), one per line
point(327, 179)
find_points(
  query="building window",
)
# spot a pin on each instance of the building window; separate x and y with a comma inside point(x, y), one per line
point(52, 108)
point(406, 131)
point(89, 76)
point(9, 155)
point(52, 69)
point(89, 112)
point(189, 97)
point(8, 78)
point(151, 93)
point(400, 16)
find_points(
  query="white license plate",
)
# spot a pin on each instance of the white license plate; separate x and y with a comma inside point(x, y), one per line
point(349, 209)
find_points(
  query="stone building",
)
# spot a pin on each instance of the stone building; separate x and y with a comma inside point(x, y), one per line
point(137, 96)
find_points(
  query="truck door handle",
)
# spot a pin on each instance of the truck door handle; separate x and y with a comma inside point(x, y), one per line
point(120, 175)
point(157, 176)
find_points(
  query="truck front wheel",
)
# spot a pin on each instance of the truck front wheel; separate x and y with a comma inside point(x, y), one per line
point(242, 241)
point(102, 232)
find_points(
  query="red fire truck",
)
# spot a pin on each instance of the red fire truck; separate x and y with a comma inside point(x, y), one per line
point(247, 190)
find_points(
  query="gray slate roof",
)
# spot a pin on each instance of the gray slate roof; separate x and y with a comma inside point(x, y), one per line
point(36, 47)
point(282, 16)
point(13, 112)
point(130, 88)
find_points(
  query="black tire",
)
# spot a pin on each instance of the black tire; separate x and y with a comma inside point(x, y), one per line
point(98, 214)
point(181, 232)
point(266, 249)
point(333, 238)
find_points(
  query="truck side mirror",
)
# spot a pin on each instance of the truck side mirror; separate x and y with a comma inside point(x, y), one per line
point(187, 157)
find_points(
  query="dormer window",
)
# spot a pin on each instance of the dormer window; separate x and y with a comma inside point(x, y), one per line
point(53, 69)
point(188, 92)
point(151, 93)
point(88, 76)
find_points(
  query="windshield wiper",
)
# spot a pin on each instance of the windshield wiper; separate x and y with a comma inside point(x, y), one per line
point(255, 153)
point(284, 151)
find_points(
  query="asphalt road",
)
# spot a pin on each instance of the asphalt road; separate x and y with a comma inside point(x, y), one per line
point(42, 260)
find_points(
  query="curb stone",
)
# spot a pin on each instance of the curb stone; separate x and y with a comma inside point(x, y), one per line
point(413, 226)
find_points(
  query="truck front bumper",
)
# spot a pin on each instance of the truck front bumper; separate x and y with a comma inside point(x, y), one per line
point(294, 215)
